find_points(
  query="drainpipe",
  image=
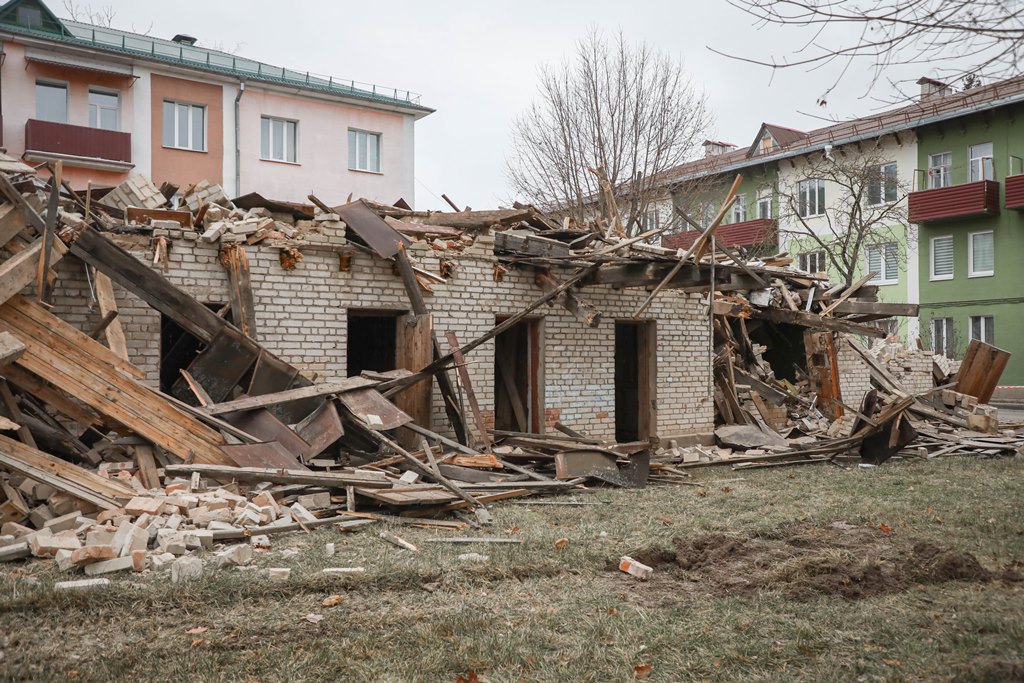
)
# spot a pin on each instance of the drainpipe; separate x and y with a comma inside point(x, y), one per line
point(238, 140)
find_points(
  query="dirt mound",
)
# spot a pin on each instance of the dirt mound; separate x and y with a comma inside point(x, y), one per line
point(851, 563)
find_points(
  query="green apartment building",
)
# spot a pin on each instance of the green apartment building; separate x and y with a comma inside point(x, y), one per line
point(969, 209)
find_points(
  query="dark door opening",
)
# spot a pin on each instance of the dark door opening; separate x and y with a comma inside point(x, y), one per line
point(519, 378)
point(178, 348)
point(634, 381)
point(372, 340)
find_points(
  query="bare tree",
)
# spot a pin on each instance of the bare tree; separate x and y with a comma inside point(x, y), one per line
point(104, 16)
point(843, 201)
point(985, 35)
point(603, 127)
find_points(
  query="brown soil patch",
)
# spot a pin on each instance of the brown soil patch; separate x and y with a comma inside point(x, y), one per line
point(851, 563)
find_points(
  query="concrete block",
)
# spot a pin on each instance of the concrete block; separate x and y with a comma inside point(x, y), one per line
point(260, 541)
point(64, 522)
point(14, 529)
point(118, 564)
point(15, 552)
point(632, 567)
point(279, 573)
point(186, 568)
point(92, 553)
point(46, 544)
point(161, 561)
point(81, 584)
point(315, 501)
point(64, 561)
point(237, 555)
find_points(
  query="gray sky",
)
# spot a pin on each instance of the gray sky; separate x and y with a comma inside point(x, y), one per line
point(476, 64)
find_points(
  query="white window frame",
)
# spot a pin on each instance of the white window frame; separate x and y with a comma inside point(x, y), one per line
point(971, 272)
point(881, 185)
point(191, 133)
point(883, 278)
point(117, 109)
point(805, 190)
point(931, 257)
point(739, 209)
point(53, 84)
point(947, 330)
point(380, 150)
point(819, 259)
point(286, 147)
point(764, 198)
point(988, 328)
point(985, 172)
point(940, 175)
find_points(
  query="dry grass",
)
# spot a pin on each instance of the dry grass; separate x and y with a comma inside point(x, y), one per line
point(536, 613)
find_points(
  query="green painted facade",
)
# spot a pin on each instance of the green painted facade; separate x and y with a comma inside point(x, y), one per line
point(1000, 295)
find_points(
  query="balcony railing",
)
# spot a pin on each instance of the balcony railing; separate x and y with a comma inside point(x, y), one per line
point(979, 198)
point(745, 234)
point(77, 142)
point(1015, 184)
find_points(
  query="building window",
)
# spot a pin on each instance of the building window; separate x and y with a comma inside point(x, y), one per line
point(184, 126)
point(767, 143)
point(942, 258)
point(104, 109)
point(52, 102)
point(981, 256)
point(31, 17)
point(363, 151)
point(942, 337)
point(649, 220)
point(940, 167)
point(278, 139)
point(983, 328)
point(883, 186)
point(813, 261)
point(884, 259)
point(981, 162)
point(764, 204)
point(811, 197)
point(739, 209)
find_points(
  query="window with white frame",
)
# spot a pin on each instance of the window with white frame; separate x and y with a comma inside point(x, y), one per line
point(184, 125)
point(649, 220)
point(52, 102)
point(883, 186)
point(739, 209)
point(942, 258)
point(981, 162)
point(981, 254)
point(813, 261)
point(983, 328)
point(940, 167)
point(764, 204)
point(363, 150)
point(942, 337)
point(278, 138)
point(104, 109)
point(884, 259)
point(811, 197)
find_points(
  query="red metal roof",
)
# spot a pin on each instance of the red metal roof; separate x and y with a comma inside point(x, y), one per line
point(745, 234)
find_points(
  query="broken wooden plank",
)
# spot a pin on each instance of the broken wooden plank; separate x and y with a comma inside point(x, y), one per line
point(11, 348)
point(363, 478)
point(325, 389)
point(114, 331)
point(22, 269)
point(467, 386)
point(236, 262)
point(582, 310)
point(980, 370)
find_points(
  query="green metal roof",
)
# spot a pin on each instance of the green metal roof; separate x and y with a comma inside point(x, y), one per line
point(194, 57)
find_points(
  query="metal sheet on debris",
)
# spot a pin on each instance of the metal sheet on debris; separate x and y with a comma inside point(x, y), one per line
point(371, 228)
point(267, 454)
point(373, 410)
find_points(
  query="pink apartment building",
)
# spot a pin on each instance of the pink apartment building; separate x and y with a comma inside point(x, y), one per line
point(111, 103)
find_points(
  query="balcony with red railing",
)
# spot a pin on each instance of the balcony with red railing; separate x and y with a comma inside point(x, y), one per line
point(980, 198)
point(78, 145)
point(745, 234)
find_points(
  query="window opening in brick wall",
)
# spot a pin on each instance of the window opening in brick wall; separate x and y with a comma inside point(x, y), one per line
point(519, 377)
point(372, 340)
point(785, 347)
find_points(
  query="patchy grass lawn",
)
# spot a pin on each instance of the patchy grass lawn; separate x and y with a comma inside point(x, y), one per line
point(906, 572)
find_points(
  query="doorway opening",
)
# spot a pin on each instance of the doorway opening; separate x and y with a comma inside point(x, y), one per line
point(635, 380)
point(519, 377)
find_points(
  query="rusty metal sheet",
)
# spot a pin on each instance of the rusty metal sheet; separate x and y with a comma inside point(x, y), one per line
point(267, 454)
point(373, 410)
point(262, 424)
point(220, 367)
point(255, 200)
point(321, 429)
point(271, 375)
point(364, 223)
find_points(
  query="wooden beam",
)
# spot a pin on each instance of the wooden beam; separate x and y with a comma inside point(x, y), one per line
point(813, 321)
point(264, 400)
point(225, 473)
point(850, 291)
point(467, 386)
point(876, 308)
point(11, 348)
point(114, 331)
point(584, 311)
point(236, 263)
point(19, 271)
point(12, 410)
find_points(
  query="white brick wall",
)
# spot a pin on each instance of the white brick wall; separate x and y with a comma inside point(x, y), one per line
point(301, 316)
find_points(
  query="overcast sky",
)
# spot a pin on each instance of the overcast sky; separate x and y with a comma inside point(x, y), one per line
point(476, 64)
